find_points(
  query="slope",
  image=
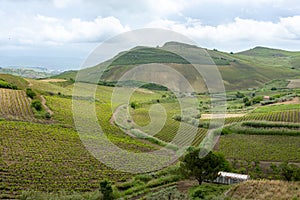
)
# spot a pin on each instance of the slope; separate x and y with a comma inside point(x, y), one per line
point(243, 70)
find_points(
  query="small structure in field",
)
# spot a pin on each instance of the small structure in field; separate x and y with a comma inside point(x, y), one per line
point(231, 178)
point(266, 98)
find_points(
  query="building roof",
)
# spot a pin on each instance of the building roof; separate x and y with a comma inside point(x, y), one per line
point(234, 175)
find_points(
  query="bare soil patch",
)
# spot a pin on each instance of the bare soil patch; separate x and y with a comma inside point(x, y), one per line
point(218, 116)
point(294, 83)
point(53, 80)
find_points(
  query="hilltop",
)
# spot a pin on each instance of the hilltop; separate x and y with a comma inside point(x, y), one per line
point(247, 69)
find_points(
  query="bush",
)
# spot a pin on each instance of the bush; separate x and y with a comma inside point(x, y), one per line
point(257, 99)
point(47, 115)
point(208, 191)
point(134, 105)
point(177, 118)
point(239, 95)
point(4, 84)
point(106, 190)
point(226, 131)
point(248, 103)
point(30, 93)
point(37, 105)
point(290, 172)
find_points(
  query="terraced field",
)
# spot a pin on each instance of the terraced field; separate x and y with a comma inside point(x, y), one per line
point(14, 104)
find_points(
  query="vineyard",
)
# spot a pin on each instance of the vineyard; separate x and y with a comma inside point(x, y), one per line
point(262, 147)
point(14, 104)
point(279, 116)
point(47, 158)
point(51, 157)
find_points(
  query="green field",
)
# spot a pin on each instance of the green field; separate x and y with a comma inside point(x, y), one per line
point(261, 148)
point(45, 154)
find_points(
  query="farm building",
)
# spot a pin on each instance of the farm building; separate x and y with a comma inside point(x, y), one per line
point(266, 98)
point(231, 178)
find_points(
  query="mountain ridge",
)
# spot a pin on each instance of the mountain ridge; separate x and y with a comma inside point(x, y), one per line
point(247, 69)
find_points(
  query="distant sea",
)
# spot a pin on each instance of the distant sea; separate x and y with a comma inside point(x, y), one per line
point(50, 63)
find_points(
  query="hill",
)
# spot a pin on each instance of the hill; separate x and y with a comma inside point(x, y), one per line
point(15, 80)
point(247, 69)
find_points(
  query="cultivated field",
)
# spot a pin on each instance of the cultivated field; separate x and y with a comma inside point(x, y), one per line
point(14, 104)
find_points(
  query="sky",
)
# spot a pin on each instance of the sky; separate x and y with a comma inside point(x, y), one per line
point(60, 34)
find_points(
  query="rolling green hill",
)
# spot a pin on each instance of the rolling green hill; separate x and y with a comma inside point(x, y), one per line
point(247, 69)
point(47, 155)
point(15, 80)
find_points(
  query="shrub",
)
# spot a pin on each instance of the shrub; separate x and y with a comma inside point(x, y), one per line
point(30, 93)
point(248, 103)
point(4, 84)
point(106, 190)
point(208, 191)
point(134, 105)
point(245, 99)
point(239, 95)
point(37, 105)
point(257, 99)
point(226, 131)
point(47, 115)
point(290, 172)
point(177, 118)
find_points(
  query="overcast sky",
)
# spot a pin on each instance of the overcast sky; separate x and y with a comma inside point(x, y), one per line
point(31, 31)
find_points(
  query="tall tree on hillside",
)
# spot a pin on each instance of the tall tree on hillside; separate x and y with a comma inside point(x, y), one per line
point(206, 168)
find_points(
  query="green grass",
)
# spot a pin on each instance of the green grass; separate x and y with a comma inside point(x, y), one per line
point(261, 148)
point(265, 128)
point(208, 191)
point(46, 88)
point(145, 183)
point(61, 195)
point(144, 55)
point(66, 75)
point(15, 80)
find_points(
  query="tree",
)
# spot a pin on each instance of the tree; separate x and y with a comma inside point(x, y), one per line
point(203, 169)
point(106, 190)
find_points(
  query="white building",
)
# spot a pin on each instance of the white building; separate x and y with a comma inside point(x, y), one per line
point(231, 178)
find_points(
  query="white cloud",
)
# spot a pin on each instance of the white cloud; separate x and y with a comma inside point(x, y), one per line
point(49, 30)
point(234, 34)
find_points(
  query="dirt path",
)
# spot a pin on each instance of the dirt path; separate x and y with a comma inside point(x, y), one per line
point(185, 185)
point(45, 106)
point(29, 82)
point(293, 101)
point(112, 122)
